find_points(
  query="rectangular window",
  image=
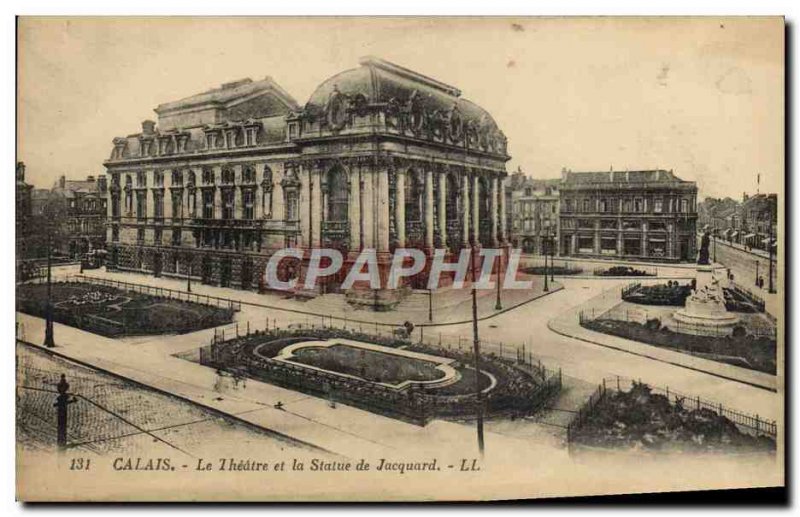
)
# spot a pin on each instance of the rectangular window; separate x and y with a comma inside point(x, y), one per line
point(638, 205)
point(587, 205)
point(140, 235)
point(608, 246)
point(177, 206)
point(608, 224)
point(291, 206)
point(227, 204)
point(684, 205)
point(631, 225)
point(585, 244)
point(658, 205)
point(157, 236)
point(585, 224)
point(141, 206)
point(208, 204)
point(176, 237)
point(158, 205)
point(248, 199)
point(115, 233)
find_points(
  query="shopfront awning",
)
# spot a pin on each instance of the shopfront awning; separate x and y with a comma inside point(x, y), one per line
point(749, 236)
point(734, 234)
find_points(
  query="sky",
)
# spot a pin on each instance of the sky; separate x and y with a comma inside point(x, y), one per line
point(703, 97)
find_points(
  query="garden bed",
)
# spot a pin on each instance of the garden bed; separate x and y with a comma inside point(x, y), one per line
point(554, 270)
point(362, 377)
point(640, 419)
point(755, 353)
point(114, 312)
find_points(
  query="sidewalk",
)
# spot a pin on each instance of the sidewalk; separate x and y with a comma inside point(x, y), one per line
point(568, 325)
point(457, 310)
point(309, 421)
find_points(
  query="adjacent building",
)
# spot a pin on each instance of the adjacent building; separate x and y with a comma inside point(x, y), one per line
point(642, 215)
point(535, 215)
point(82, 208)
point(23, 213)
point(379, 157)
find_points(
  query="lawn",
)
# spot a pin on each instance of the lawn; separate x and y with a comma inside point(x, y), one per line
point(368, 364)
point(115, 312)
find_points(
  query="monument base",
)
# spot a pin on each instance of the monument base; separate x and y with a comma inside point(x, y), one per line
point(705, 313)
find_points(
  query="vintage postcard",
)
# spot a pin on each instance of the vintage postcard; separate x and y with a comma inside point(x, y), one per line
point(398, 259)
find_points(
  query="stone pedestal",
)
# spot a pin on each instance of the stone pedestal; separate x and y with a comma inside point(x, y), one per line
point(704, 313)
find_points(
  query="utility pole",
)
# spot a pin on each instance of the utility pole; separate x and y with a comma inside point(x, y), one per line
point(477, 352)
point(430, 304)
point(552, 243)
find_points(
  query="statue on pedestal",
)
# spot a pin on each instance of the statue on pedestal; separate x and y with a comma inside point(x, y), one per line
point(702, 255)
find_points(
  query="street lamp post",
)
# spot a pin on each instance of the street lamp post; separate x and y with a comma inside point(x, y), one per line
point(430, 304)
point(188, 273)
point(546, 288)
point(49, 342)
point(552, 244)
point(498, 306)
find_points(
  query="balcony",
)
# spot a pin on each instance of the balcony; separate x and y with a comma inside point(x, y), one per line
point(241, 224)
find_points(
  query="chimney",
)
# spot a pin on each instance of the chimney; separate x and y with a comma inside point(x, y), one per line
point(148, 127)
point(563, 173)
point(101, 184)
point(62, 181)
point(90, 178)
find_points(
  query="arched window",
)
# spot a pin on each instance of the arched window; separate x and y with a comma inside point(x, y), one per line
point(248, 174)
point(338, 195)
point(228, 175)
point(192, 178)
point(177, 178)
point(413, 191)
point(208, 176)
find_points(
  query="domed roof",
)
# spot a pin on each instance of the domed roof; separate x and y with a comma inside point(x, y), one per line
point(381, 82)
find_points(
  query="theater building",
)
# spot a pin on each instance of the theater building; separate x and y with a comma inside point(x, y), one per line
point(646, 214)
point(380, 157)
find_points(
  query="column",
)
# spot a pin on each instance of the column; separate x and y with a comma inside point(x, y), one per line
point(428, 208)
point(476, 196)
point(354, 210)
point(503, 220)
point(443, 208)
point(217, 193)
point(465, 208)
point(596, 237)
point(304, 195)
point(382, 198)
point(367, 207)
point(495, 216)
point(400, 208)
point(167, 194)
point(316, 206)
point(644, 238)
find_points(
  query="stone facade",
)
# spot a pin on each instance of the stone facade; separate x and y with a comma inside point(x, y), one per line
point(535, 215)
point(380, 157)
point(640, 215)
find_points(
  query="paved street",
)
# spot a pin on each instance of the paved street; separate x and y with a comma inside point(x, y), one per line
point(522, 446)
